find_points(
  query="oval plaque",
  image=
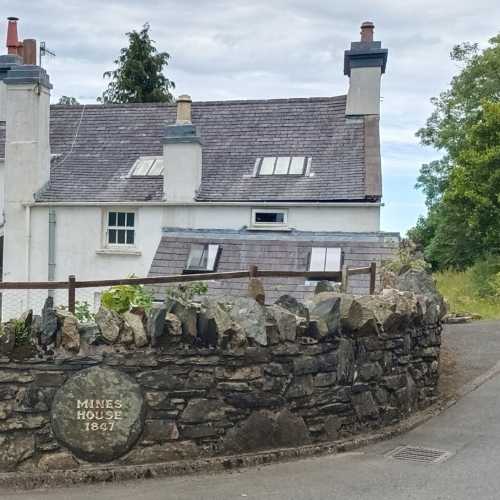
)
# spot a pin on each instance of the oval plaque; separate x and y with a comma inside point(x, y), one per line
point(98, 414)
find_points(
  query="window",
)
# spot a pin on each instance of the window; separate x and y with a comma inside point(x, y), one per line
point(121, 228)
point(202, 258)
point(281, 165)
point(325, 259)
point(147, 165)
point(269, 218)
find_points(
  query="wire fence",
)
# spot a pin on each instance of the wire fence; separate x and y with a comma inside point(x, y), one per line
point(18, 297)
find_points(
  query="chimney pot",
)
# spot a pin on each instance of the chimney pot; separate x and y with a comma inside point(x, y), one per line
point(12, 38)
point(29, 51)
point(367, 31)
point(183, 110)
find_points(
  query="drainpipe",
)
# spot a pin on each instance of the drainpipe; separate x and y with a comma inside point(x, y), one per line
point(52, 247)
point(27, 255)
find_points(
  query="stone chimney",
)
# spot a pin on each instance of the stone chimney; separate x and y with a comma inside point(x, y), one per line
point(182, 154)
point(364, 63)
point(24, 105)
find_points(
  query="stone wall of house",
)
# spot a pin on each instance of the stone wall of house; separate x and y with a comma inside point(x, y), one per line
point(213, 378)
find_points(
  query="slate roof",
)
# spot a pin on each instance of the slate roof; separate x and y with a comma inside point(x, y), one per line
point(277, 251)
point(95, 147)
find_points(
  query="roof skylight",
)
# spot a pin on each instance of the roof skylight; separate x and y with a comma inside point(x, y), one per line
point(147, 165)
point(281, 165)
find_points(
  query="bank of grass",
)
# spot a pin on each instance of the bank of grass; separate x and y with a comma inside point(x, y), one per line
point(459, 290)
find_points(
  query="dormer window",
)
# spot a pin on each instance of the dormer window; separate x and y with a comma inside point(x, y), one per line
point(147, 165)
point(281, 165)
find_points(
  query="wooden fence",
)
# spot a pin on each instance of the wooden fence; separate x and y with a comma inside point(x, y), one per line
point(253, 272)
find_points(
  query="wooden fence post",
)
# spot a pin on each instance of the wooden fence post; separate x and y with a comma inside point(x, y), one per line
point(71, 293)
point(344, 279)
point(252, 271)
point(373, 277)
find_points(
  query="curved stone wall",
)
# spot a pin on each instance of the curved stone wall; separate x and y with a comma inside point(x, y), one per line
point(191, 380)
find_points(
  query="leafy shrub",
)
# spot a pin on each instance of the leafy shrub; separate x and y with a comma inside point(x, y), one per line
point(122, 298)
point(187, 292)
point(484, 276)
point(83, 313)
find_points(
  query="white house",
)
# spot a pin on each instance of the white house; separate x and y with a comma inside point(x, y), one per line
point(105, 191)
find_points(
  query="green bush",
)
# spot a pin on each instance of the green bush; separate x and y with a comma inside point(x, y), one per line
point(83, 313)
point(122, 298)
point(484, 276)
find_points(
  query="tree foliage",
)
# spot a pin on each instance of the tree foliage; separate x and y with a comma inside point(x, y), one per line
point(71, 101)
point(139, 76)
point(461, 189)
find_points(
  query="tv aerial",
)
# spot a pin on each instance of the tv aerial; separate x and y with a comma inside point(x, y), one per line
point(44, 52)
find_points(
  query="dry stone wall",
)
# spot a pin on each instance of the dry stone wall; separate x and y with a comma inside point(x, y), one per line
point(225, 376)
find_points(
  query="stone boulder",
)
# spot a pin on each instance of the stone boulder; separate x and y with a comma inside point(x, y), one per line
point(422, 283)
point(251, 317)
point(173, 325)
point(293, 305)
point(285, 321)
point(326, 286)
point(7, 338)
point(187, 312)
point(70, 334)
point(109, 323)
point(215, 326)
point(155, 324)
point(134, 321)
point(324, 314)
point(49, 326)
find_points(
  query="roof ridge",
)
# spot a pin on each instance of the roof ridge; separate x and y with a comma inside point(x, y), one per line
point(202, 103)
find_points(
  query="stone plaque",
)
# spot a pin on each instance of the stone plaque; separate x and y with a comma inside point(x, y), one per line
point(98, 414)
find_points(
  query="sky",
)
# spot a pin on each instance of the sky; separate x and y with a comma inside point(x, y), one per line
point(235, 49)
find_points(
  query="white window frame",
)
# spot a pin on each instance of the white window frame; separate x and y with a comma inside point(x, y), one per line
point(278, 162)
point(329, 254)
point(152, 170)
point(214, 251)
point(107, 227)
point(269, 225)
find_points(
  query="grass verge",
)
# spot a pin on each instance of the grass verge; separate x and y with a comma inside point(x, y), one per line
point(458, 290)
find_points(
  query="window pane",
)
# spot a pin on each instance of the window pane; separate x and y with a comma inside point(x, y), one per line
point(157, 168)
point(142, 166)
point(195, 256)
point(121, 219)
point(130, 237)
point(269, 217)
point(112, 219)
point(297, 165)
point(267, 166)
point(282, 165)
point(317, 262)
point(333, 259)
point(121, 236)
point(213, 250)
point(130, 219)
point(112, 236)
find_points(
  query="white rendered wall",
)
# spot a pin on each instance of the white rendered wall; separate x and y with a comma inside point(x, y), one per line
point(329, 218)
point(363, 97)
point(182, 171)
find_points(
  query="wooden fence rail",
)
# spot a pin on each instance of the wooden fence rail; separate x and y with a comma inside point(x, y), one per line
point(253, 272)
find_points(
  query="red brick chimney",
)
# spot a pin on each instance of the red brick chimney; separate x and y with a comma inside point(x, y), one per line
point(25, 49)
point(13, 44)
